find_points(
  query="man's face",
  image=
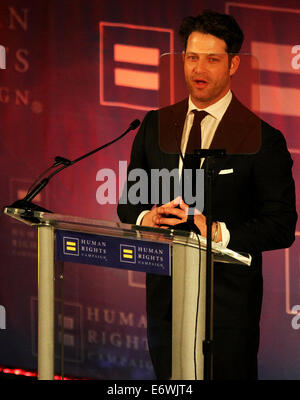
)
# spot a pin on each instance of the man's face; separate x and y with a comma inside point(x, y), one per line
point(207, 68)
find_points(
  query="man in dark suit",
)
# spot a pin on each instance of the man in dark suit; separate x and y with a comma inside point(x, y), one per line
point(253, 199)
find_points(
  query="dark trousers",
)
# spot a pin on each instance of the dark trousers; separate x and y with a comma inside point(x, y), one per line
point(234, 356)
point(234, 350)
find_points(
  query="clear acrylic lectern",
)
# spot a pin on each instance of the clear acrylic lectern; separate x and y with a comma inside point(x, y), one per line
point(116, 245)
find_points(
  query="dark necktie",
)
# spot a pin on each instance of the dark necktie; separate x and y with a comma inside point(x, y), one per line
point(194, 142)
point(192, 161)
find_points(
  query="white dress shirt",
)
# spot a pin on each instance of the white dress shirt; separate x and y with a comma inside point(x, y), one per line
point(209, 125)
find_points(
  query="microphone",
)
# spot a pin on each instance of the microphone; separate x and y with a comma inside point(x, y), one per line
point(62, 163)
point(134, 124)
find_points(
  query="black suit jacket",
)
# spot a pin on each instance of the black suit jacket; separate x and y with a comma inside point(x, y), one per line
point(256, 201)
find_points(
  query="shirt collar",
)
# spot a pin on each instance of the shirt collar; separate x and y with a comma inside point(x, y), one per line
point(216, 110)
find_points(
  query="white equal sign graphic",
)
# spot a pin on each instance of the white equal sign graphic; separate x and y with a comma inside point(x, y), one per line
point(135, 78)
point(2, 57)
point(275, 57)
point(69, 337)
point(278, 100)
point(278, 58)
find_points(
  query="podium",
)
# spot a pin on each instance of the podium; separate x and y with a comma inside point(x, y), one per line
point(178, 254)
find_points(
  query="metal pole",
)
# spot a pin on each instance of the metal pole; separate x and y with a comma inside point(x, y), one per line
point(45, 302)
point(209, 315)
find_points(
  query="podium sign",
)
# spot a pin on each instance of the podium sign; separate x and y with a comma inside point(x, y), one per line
point(114, 252)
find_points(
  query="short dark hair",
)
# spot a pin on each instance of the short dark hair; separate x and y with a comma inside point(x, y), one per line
point(223, 26)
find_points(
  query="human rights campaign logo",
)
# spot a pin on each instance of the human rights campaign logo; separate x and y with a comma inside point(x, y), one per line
point(71, 246)
point(127, 253)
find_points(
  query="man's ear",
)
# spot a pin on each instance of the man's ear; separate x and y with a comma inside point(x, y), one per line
point(234, 64)
point(183, 55)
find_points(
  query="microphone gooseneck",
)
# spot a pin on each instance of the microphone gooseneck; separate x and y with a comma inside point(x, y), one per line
point(61, 163)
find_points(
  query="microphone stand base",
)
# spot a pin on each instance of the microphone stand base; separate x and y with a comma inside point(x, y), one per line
point(28, 206)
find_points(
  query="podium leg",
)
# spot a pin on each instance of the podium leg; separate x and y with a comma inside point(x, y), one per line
point(45, 302)
point(187, 355)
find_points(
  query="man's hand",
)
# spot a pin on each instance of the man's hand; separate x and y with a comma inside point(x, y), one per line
point(170, 214)
point(200, 222)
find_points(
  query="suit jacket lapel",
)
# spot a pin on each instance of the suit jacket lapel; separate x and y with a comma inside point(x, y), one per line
point(171, 124)
point(238, 131)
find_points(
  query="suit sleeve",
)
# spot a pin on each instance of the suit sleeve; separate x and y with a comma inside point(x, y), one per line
point(272, 226)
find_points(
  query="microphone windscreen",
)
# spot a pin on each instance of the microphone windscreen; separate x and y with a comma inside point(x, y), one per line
point(134, 124)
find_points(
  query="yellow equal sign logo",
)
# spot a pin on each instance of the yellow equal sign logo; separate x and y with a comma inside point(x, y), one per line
point(71, 246)
point(127, 253)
